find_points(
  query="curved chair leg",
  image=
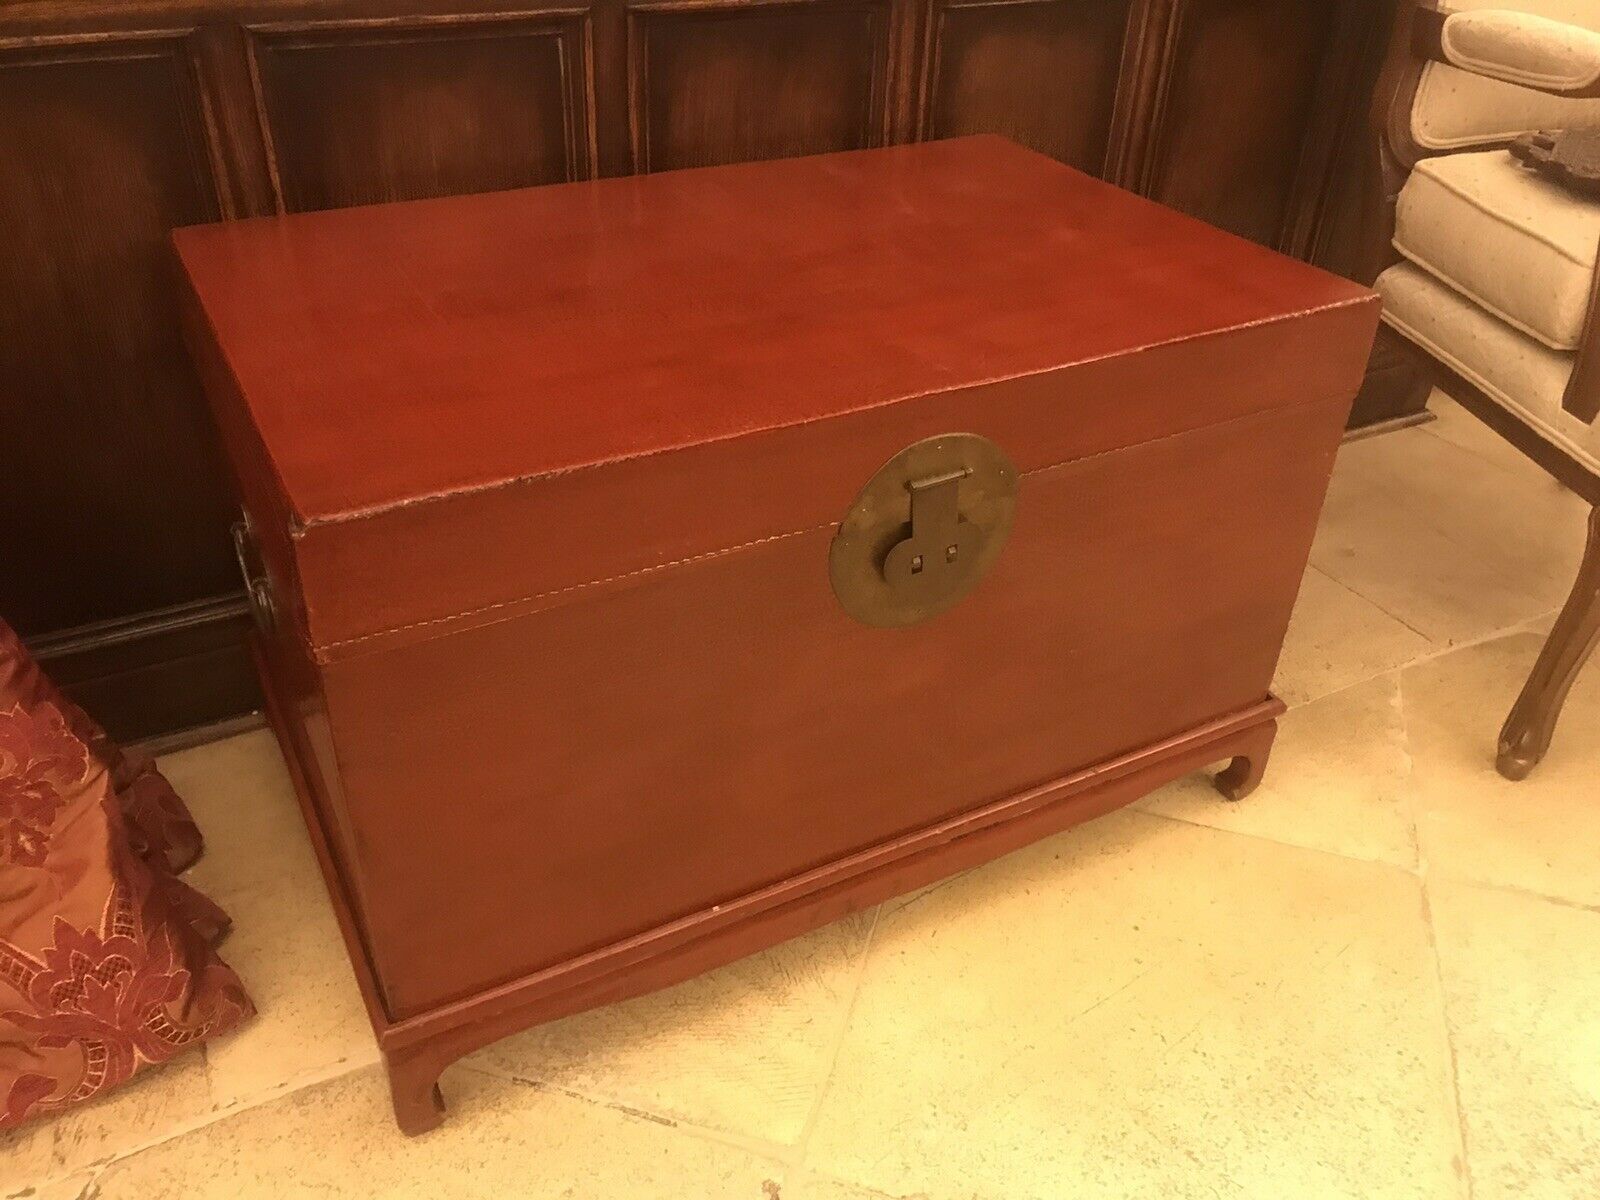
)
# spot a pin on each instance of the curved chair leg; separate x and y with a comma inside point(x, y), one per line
point(414, 1088)
point(1528, 730)
point(1241, 776)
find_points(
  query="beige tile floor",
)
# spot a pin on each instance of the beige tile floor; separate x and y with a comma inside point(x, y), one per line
point(1375, 978)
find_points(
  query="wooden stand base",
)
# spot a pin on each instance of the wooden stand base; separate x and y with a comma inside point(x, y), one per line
point(417, 1049)
point(1243, 775)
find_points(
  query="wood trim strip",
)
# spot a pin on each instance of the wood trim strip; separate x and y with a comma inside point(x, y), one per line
point(199, 735)
point(124, 631)
point(1336, 105)
point(416, 21)
point(144, 675)
point(1148, 61)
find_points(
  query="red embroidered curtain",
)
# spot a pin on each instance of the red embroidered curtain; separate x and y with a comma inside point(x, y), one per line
point(106, 959)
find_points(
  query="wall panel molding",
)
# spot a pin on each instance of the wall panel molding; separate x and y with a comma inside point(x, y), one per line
point(1146, 67)
point(107, 141)
point(1231, 131)
point(365, 110)
point(712, 81)
point(150, 674)
point(1044, 72)
point(176, 49)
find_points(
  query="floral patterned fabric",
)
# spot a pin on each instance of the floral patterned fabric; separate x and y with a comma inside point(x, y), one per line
point(106, 960)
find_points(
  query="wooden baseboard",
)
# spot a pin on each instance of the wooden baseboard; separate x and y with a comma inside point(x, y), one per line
point(1397, 386)
point(157, 673)
point(1405, 421)
point(198, 735)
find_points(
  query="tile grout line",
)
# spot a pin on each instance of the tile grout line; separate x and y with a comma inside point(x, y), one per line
point(1436, 653)
point(1408, 780)
point(1502, 467)
point(788, 1156)
point(100, 1167)
point(1410, 868)
point(802, 1145)
point(1410, 797)
point(811, 1175)
point(1512, 889)
point(1451, 1064)
point(1268, 839)
point(1424, 875)
point(1327, 574)
point(774, 1153)
point(1450, 532)
point(1415, 867)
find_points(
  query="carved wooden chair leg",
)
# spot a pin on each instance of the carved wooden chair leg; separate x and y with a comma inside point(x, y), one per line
point(1241, 776)
point(1528, 730)
point(414, 1088)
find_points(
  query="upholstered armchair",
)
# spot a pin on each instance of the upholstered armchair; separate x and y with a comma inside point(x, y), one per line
point(1491, 267)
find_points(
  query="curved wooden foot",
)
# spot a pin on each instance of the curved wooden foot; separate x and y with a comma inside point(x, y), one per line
point(414, 1089)
point(1241, 776)
point(1527, 732)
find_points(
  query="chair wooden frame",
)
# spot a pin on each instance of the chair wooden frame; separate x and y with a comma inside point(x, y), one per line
point(1528, 729)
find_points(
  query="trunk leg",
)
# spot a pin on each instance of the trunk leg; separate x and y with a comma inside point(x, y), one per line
point(1243, 774)
point(1532, 723)
point(414, 1088)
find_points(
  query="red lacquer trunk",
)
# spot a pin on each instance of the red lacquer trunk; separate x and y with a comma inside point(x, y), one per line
point(541, 488)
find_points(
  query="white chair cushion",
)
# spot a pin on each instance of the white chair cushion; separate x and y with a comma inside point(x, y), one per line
point(1513, 370)
point(1522, 48)
point(1454, 108)
point(1520, 245)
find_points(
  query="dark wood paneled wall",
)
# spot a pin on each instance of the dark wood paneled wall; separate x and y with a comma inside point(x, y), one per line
point(119, 121)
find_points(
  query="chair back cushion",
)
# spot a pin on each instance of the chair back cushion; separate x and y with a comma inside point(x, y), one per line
point(1454, 108)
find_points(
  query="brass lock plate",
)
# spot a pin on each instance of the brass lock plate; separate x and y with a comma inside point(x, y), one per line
point(924, 530)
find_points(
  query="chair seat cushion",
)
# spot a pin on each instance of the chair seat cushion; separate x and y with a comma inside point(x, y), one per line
point(1520, 245)
point(1509, 367)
